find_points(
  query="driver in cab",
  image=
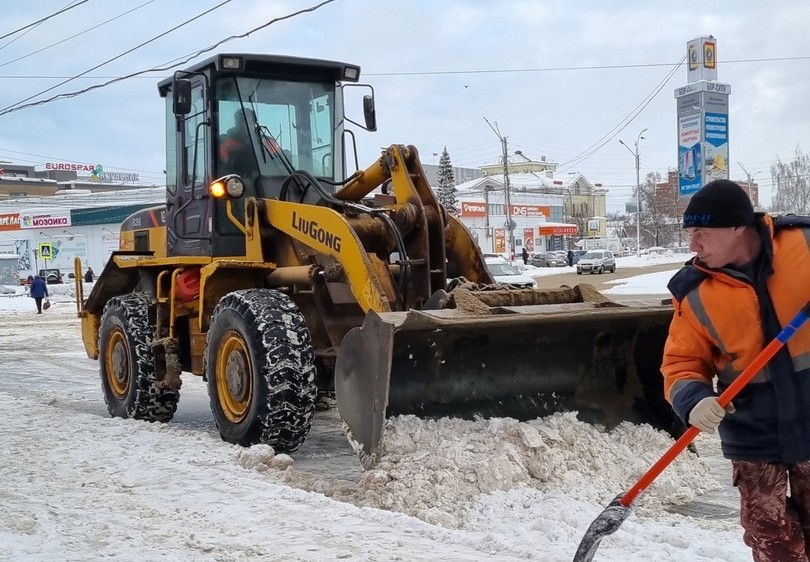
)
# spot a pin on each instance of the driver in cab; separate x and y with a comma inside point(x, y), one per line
point(235, 149)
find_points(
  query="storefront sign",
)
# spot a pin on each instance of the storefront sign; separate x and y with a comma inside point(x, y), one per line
point(44, 220)
point(93, 172)
point(70, 166)
point(9, 221)
point(473, 209)
point(531, 211)
point(558, 230)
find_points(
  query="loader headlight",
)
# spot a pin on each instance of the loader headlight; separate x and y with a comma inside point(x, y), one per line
point(232, 63)
point(229, 186)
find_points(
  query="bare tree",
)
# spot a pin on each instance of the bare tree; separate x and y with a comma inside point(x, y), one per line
point(659, 208)
point(792, 185)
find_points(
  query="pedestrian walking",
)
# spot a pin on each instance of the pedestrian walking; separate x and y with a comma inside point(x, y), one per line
point(89, 275)
point(39, 291)
point(525, 255)
point(730, 300)
point(570, 257)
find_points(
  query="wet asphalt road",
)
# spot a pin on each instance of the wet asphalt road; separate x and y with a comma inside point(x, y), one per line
point(602, 281)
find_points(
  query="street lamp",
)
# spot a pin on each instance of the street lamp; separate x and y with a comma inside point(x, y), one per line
point(638, 191)
point(750, 179)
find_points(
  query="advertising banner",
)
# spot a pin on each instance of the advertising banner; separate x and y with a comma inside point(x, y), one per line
point(528, 239)
point(703, 137)
point(62, 251)
point(44, 220)
point(689, 155)
point(500, 240)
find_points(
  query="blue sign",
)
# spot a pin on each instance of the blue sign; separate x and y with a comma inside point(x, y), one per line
point(690, 160)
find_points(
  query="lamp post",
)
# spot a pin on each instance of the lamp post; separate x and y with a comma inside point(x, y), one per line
point(750, 178)
point(638, 191)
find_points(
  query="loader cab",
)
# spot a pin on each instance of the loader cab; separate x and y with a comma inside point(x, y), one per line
point(262, 117)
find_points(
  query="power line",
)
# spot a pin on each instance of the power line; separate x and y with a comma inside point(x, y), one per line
point(573, 68)
point(19, 105)
point(621, 125)
point(72, 37)
point(26, 32)
point(450, 72)
point(46, 18)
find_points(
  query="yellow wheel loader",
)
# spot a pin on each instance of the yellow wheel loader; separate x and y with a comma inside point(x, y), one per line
point(275, 274)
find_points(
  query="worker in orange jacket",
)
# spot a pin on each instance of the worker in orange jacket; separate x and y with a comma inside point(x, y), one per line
point(750, 276)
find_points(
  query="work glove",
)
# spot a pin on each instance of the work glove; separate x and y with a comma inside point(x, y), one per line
point(708, 413)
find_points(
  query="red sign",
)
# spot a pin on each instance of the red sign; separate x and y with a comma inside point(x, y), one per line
point(9, 221)
point(531, 211)
point(473, 209)
point(558, 230)
point(479, 209)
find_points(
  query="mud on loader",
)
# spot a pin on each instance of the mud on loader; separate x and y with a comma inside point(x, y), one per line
point(274, 276)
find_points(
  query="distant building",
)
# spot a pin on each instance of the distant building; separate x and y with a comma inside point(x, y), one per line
point(72, 223)
point(18, 180)
point(666, 194)
point(460, 175)
point(547, 212)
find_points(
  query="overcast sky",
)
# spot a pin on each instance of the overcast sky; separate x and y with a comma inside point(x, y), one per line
point(559, 78)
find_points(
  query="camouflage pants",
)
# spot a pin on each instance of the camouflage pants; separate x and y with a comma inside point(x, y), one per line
point(774, 509)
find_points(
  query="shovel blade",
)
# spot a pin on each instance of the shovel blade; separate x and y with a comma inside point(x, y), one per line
point(607, 523)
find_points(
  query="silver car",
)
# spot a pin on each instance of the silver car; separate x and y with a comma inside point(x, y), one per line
point(596, 261)
point(548, 259)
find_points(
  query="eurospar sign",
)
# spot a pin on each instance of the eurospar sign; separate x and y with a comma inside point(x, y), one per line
point(94, 171)
point(44, 220)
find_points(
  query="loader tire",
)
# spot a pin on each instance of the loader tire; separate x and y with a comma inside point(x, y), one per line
point(260, 369)
point(128, 378)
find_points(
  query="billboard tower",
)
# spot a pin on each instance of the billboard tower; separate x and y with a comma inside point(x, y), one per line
point(702, 119)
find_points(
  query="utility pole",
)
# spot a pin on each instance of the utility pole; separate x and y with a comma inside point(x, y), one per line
point(750, 179)
point(638, 190)
point(510, 237)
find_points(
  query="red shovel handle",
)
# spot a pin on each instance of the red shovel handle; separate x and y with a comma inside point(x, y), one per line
point(724, 400)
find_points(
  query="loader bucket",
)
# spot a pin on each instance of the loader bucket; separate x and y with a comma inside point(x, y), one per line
point(523, 362)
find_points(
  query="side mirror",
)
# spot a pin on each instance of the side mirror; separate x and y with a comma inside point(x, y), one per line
point(370, 113)
point(181, 96)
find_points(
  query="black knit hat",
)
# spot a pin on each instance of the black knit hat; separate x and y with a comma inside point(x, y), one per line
point(719, 204)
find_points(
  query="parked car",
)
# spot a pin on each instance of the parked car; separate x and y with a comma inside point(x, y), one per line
point(596, 261)
point(547, 259)
point(51, 276)
point(505, 273)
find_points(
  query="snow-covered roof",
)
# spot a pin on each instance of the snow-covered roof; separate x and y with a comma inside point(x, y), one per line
point(82, 199)
point(519, 181)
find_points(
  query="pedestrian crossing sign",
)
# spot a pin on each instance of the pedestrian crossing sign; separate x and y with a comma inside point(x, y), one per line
point(45, 250)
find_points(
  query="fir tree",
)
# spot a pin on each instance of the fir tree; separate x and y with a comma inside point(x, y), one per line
point(447, 184)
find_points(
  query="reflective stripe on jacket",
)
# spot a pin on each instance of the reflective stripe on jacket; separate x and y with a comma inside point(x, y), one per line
point(722, 321)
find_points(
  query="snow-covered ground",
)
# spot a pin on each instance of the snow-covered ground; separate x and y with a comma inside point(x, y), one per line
point(79, 485)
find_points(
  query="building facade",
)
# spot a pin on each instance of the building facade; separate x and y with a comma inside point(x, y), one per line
point(545, 211)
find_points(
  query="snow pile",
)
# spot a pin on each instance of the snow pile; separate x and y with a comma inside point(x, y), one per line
point(437, 470)
point(262, 458)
